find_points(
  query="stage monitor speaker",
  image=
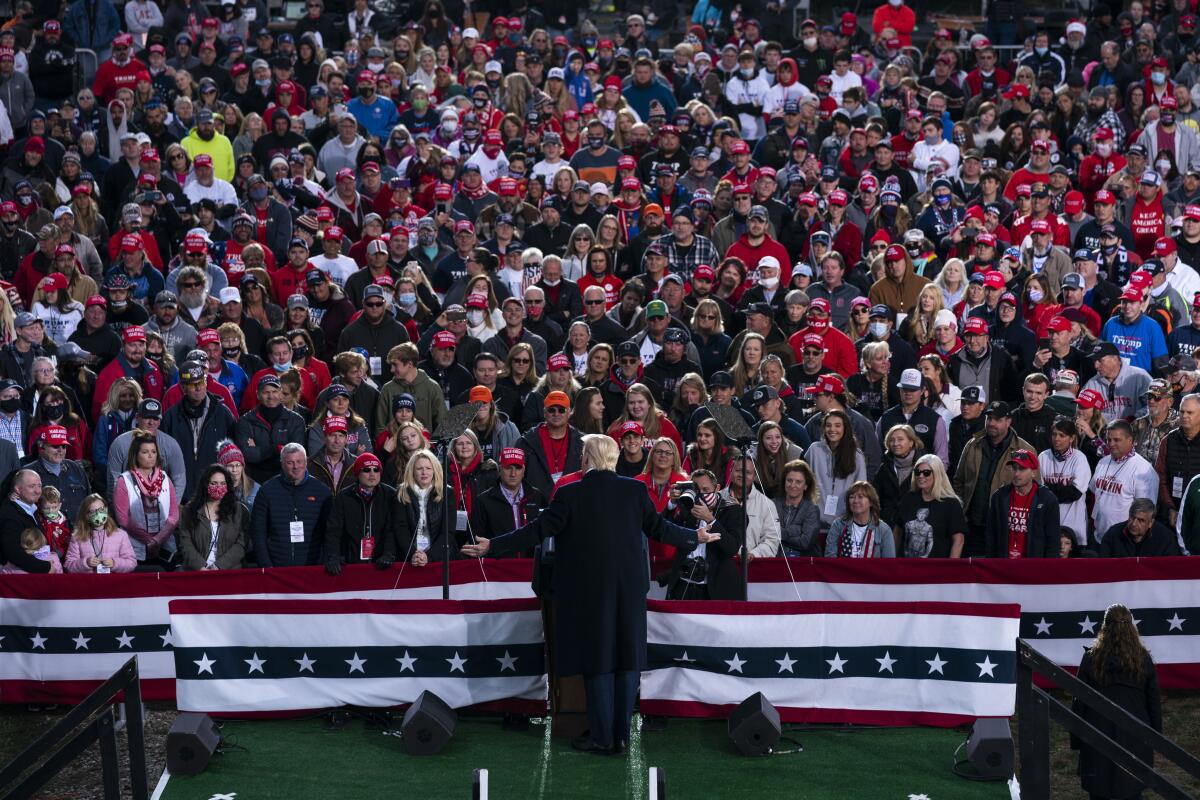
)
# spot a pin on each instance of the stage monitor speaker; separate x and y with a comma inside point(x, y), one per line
point(428, 725)
point(990, 748)
point(754, 726)
point(191, 742)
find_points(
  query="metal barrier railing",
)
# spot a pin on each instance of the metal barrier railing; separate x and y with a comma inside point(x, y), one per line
point(1035, 709)
point(62, 744)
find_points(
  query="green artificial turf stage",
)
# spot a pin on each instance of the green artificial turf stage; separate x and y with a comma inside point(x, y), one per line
point(299, 759)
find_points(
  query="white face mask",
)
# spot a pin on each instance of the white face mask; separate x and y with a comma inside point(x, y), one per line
point(1104, 150)
point(895, 3)
point(1036, 296)
point(769, 283)
point(878, 329)
point(376, 68)
point(810, 41)
point(475, 316)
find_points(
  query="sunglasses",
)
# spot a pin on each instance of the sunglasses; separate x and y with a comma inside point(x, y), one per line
point(860, 311)
point(522, 361)
point(594, 302)
point(370, 469)
point(706, 316)
point(189, 285)
point(923, 473)
point(556, 410)
point(814, 352)
point(373, 305)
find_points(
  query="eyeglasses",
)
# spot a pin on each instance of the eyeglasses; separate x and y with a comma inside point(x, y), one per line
point(594, 302)
point(556, 410)
point(373, 305)
point(923, 473)
point(666, 453)
point(370, 469)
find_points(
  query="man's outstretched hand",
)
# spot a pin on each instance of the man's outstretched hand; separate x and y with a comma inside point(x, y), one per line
point(704, 535)
point(477, 550)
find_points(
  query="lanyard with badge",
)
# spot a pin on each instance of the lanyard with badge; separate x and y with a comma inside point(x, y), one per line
point(101, 568)
point(366, 545)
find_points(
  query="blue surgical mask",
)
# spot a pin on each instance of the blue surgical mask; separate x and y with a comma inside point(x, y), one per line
point(407, 298)
point(282, 367)
point(258, 194)
point(1041, 51)
point(942, 199)
point(1158, 78)
point(878, 329)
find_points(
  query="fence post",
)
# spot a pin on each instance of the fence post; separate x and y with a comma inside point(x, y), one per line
point(1033, 732)
point(110, 765)
point(135, 736)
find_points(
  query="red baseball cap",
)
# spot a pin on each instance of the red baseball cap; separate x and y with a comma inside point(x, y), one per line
point(993, 279)
point(1132, 294)
point(1103, 134)
point(1023, 458)
point(1059, 324)
point(1106, 197)
point(831, 384)
point(986, 239)
point(1090, 398)
point(333, 424)
point(55, 436)
point(558, 361)
point(208, 336)
point(813, 340)
point(512, 457)
point(96, 300)
point(334, 232)
point(203, 160)
point(631, 427)
point(976, 326)
point(704, 272)
point(134, 333)
point(819, 304)
point(131, 242)
point(894, 253)
point(1164, 246)
point(442, 192)
point(1039, 226)
point(444, 340)
point(739, 148)
point(1073, 202)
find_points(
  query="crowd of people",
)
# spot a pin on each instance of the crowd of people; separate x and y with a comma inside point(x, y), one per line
point(246, 273)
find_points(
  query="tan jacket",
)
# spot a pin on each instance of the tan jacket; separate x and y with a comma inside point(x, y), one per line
point(968, 467)
point(1058, 264)
point(899, 297)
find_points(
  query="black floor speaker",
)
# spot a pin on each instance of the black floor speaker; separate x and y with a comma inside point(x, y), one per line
point(428, 725)
point(191, 742)
point(754, 726)
point(990, 748)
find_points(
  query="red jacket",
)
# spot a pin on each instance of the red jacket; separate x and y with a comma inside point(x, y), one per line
point(149, 246)
point(1146, 222)
point(151, 382)
point(975, 80)
point(286, 282)
point(751, 255)
point(1023, 175)
point(660, 498)
point(840, 354)
point(610, 283)
point(308, 389)
point(1094, 171)
point(901, 19)
point(1060, 232)
point(110, 78)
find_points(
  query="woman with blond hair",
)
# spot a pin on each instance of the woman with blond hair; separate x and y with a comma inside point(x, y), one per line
point(952, 280)
point(859, 532)
point(870, 384)
point(917, 328)
point(930, 522)
point(1120, 667)
point(690, 393)
point(421, 493)
point(893, 480)
point(116, 417)
point(798, 511)
point(519, 373)
point(641, 408)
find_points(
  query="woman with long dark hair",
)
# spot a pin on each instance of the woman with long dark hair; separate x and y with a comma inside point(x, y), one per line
point(710, 451)
point(145, 502)
point(587, 414)
point(212, 527)
point(837, 464)
point(1120, 667)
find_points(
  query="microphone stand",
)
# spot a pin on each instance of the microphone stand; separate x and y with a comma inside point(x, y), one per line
point(453, 425)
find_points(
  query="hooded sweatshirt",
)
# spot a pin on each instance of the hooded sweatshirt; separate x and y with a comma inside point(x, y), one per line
point(781, 92)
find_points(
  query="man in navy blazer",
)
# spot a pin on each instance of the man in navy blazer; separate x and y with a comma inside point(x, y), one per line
point(600, 582)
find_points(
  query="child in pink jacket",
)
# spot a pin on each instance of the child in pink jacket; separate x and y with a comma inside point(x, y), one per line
point(98, 545)
point(34, 543)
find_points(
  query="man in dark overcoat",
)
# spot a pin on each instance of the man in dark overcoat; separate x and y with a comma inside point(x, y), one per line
point(600, 581)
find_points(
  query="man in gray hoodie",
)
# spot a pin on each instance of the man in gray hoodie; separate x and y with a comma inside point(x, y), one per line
point(16, 90)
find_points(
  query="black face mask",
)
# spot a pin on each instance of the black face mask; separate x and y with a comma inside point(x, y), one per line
point(11, 405)
point(54, 411)
point(299, 352)
point(231, 353)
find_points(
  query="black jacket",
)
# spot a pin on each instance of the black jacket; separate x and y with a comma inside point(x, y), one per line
point(1139, 696)
point(199, 452)
point(1034, 426)
point(1041, 539)
point(537, 464)
point(71, 481)
point(14, 520)
point(492, 514)
point(891, 491)
point(1160, 541)
point(262, 457)
point(352, 518)
point(600, 525)
point(724, 575)
point(405, 541)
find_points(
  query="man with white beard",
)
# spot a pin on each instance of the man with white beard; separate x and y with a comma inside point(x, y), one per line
point(194, 299)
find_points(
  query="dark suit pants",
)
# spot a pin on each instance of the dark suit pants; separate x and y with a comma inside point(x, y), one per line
point(610, 699)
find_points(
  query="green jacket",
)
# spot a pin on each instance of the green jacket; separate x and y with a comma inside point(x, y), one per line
point(425, 391)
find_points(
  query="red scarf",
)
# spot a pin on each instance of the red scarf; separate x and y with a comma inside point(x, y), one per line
point(462, 487)
point(149, 487)
point(476, 193)
point(555, 449)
